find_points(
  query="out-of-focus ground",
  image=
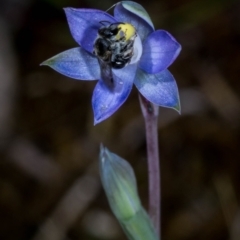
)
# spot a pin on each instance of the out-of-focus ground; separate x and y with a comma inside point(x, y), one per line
point(49, 183)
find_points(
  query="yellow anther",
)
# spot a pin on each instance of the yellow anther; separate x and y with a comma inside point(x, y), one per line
point(127, 30)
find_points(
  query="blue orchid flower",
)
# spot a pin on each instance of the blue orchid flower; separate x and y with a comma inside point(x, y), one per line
point(152, 53)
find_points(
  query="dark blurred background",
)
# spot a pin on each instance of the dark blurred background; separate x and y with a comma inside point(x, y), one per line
point(49, 183)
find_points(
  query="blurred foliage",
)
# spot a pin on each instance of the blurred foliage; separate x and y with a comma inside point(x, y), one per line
point(49, 183)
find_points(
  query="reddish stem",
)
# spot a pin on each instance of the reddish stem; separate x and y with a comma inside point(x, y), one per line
point(150, 114)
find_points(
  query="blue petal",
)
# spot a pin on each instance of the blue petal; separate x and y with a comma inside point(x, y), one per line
point(160, 89)
point(134, 13)
point(75, 63)
point(160, 49)
point(106, 100)
point(84, 25)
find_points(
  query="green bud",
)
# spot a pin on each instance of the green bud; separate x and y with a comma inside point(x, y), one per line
point(119, 184)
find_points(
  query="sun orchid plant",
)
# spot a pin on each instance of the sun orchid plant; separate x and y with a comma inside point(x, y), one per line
point(119, 51)
point(154, 52)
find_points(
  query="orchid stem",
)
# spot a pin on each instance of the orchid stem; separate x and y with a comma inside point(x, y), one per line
point(150, 114)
